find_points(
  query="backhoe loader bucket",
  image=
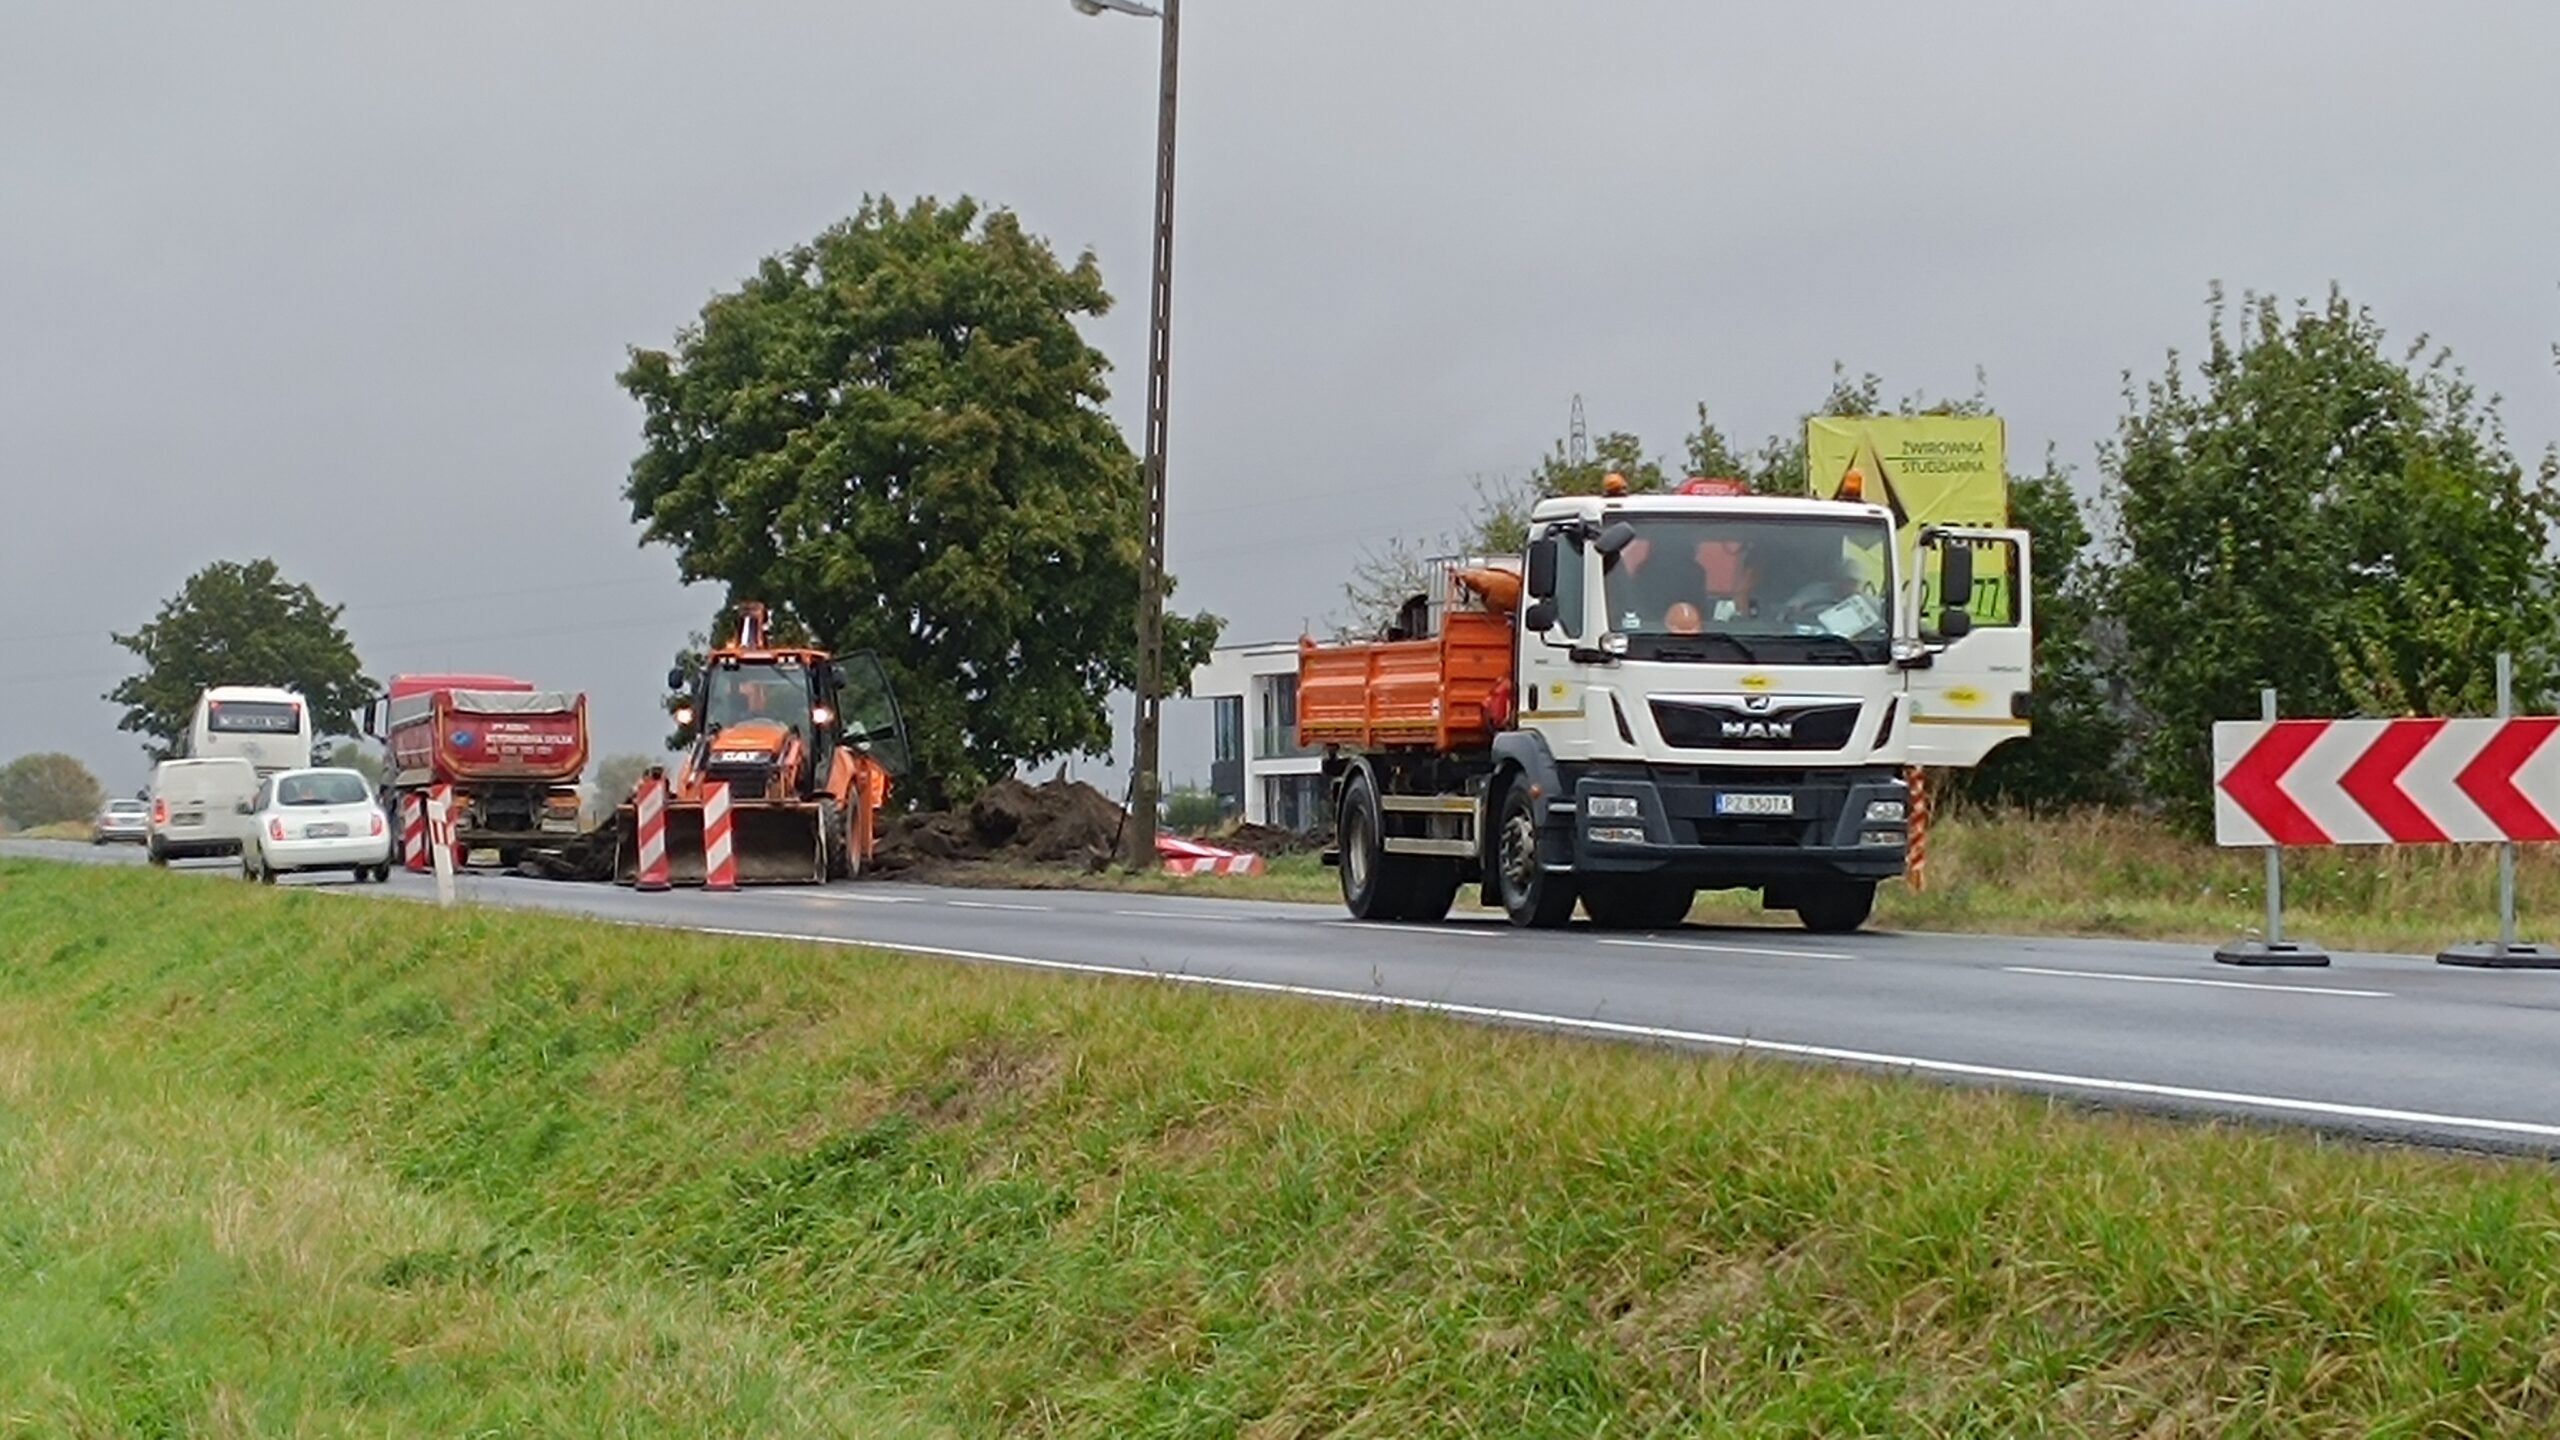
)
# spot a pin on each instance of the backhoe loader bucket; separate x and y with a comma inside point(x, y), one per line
point(774, 842)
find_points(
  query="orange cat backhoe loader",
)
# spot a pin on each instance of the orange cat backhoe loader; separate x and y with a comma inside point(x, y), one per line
point(807, 745)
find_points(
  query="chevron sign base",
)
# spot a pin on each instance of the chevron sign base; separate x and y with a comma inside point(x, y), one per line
point(2490, 955)
point(2386, 782)
point(2259, 952)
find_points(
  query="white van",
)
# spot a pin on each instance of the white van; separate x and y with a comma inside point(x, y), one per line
point(195, 807)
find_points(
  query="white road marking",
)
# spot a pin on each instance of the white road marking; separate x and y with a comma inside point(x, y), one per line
point(2191, 980)
point(994, 905)
point(2091, 1084)
point(1178, 915)
point(1704, 947)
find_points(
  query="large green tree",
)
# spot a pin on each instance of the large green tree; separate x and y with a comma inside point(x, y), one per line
point(2314, 511)
point(47, 789)
point(894, 435)
point(239, 624)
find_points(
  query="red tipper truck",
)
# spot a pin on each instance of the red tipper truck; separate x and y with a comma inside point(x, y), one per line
point(512, 754)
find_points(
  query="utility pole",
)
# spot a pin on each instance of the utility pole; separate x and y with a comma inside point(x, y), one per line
point(1138, 837)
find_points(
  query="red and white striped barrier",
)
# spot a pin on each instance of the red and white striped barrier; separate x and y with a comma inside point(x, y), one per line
point(719, 854)
point(651, 802)
point(413, 832)
point(1190, 857)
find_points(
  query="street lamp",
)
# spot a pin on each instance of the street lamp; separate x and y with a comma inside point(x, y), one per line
point(1138, 838)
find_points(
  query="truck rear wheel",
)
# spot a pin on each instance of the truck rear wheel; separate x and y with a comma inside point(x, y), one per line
point(1431, 892)
point(1835, 907)
point(1375, 885)
point(1637, 902)
point(1532, 895)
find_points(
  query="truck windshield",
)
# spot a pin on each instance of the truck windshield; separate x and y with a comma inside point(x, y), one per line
point(1776, 589)
point(772, 691)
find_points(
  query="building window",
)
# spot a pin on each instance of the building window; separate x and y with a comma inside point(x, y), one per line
point(1230, 727)
point(1278, 737)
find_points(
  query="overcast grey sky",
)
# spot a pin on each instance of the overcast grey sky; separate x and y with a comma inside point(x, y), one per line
point(347, 284)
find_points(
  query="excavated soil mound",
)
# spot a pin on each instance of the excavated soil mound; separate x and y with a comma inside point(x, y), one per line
point(1269, 840)
point(1060, 822)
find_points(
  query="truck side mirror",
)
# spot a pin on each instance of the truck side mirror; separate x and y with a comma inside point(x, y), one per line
point(1540, 616)
point(675, 678)
point(1955, 622)
point(1617, 537)
point(1955, 574)
point(1540, 582)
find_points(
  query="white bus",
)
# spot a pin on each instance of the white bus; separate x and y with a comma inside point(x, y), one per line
point(269, 728)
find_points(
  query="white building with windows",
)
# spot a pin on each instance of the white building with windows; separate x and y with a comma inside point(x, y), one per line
point(1258, 769)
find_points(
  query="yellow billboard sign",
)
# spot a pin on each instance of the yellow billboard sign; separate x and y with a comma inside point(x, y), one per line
point(1926, 469)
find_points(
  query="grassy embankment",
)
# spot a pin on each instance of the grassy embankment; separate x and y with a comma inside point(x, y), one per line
point(59, 830)
point(2097, 874)
point(295, 1163)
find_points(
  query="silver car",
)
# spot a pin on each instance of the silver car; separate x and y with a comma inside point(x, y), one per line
point(121, 822)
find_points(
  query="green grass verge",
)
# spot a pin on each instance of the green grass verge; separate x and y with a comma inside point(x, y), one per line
point(2096, 874)
point(59, 830)
point(301, 1163)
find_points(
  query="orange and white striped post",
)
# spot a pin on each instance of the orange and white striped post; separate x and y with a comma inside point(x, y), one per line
point(413, 832)
point(651, 802)
point(1915, 860)
point(719, 854)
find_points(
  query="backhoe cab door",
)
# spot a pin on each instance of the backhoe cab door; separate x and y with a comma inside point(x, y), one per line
point(1973, 693)
point(872, 722)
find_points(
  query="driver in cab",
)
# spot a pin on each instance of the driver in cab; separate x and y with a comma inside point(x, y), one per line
point(1775, 582)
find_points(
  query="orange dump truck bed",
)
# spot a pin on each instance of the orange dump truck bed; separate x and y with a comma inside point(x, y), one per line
point(1430, 693)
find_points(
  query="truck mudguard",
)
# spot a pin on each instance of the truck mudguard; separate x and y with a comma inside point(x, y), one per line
point(1526, 752)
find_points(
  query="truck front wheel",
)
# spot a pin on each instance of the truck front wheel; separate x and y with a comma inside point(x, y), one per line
point(1532, 895)
point(1836, 907)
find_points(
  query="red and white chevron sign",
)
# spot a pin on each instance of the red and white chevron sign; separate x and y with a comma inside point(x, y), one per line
point(2385, 782)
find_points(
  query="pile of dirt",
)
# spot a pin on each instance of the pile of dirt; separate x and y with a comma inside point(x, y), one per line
point(586, 858)
point(1059, 822)
point(1270, 840)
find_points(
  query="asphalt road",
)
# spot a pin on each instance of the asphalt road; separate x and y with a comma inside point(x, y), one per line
point(2384, 1046)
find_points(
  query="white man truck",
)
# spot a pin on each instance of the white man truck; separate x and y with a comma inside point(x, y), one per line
point(1668, 693)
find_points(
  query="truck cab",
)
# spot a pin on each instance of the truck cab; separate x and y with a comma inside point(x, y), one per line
point(1724, 691)
point(1703, 691)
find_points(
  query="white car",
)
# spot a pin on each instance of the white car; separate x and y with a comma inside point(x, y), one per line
point(315, 820)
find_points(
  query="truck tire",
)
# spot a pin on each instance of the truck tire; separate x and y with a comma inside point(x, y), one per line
point(1375, 884)
point(1835, 907)
point(1637, 902)
point(1431, 891)
point(1534, 897)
